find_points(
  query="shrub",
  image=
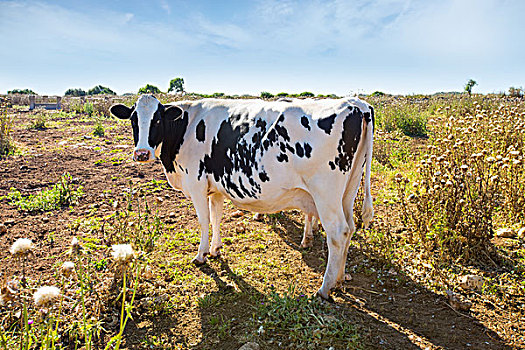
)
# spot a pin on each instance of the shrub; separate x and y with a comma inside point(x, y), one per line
point(23, 92)
point(282, 94)
point(377, 93)
point(265, 94)
point(515, 92)
point(88, 108)
point(39, 122)
point(472, 173)
point(6, 142)
point(75, 92)
point(306, 94)
point(408, 118)
point(149, 89)
point(99, 89)
point(98, 130)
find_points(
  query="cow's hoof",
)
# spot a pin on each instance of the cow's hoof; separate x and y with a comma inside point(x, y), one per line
point(199, 262)
point(324, 297)
point(215, 255)
point(306, 244)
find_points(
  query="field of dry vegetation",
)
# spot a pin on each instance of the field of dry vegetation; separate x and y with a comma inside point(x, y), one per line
point(96, 250)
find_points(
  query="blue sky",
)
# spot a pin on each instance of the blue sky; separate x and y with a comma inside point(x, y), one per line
point(237, 47)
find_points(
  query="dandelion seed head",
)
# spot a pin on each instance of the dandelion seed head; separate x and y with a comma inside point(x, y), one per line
point(22, 246)
point(122, 253)
point(46, 295)
point(67, 268)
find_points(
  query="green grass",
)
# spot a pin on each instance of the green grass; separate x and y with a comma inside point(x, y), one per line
point(61, 194)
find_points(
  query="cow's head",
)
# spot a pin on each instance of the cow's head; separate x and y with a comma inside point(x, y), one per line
point(148, 118)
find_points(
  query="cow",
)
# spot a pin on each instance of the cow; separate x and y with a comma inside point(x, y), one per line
point(264, 157)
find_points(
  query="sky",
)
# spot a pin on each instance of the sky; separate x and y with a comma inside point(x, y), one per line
point(249, 46)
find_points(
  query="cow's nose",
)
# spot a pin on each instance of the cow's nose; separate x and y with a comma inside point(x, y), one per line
point(141, 155)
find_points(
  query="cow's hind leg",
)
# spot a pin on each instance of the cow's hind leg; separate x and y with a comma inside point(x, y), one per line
point(216, 207)
point(337, 232)
point(200, 202)
point(308, 236)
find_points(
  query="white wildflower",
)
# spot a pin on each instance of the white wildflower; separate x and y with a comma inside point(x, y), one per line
point(122, 253)
point(67, 268)
point(46, 295)
point(22, 246)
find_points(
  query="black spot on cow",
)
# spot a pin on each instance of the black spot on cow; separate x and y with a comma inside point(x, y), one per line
point(200, 131)
point(326, 123)
point(305, 122)
point(231, 153)
point(349, 140)
point(299, 149)
point(281, 130)
point(282, 157)
point(332, 165)
point(263, 176)
point(173, 128)
point(307, 150)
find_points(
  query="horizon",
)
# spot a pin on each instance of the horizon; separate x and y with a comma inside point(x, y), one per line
point(398, 47)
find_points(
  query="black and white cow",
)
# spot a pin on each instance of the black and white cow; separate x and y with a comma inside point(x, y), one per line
point(264, 157)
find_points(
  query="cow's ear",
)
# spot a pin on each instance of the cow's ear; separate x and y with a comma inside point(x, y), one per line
point(171, 113)
point(120, 111)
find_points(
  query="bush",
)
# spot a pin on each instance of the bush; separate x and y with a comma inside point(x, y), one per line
point(472, 174)
point(515, 92)
point(99, 89)
point(377, 93)
point(149, 89)
point(306, 94)
point(6, 143)
point(265, 94)
point(282, 94)
point(88, 108)
point(98, 130)
point(39, 122)
point(23, 92)
point(75, 92)
point(405, 117)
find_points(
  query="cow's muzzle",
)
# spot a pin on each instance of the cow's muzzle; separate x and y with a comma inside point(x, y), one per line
point(142, 155)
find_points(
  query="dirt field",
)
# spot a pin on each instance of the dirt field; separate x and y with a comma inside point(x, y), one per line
point(218, 305)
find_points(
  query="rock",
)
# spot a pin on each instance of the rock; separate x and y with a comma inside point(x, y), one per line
point(237, 214)
point(472, 282)
point(458, 302)
point(3, 229)
point(505, 233)
point(258, 217)
point(45, 219)
point(9, 222)
point(250, 346)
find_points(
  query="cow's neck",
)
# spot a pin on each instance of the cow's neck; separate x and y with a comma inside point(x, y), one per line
point(172, 139)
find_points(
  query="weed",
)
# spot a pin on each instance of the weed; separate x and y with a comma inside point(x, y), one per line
point(7, 145)
point(98, 131)
point(62, 194)
point(88, 108)
point(39, 122)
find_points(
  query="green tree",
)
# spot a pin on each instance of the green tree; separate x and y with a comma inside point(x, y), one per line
point(469, 85)
point(149, 89)
point(265, 94)
point(99, 89)
point(75, 92)
point(306, 94)
point(282, 94)
point(176, 85)
point(24, 92)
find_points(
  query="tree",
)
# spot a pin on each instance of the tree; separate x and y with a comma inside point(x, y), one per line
point(24, 92)
point(149, 89)
point(176, 85)
point(469, 85)
point(266, 94)
point(99, 89)
point(75, 92)
point(306, 94)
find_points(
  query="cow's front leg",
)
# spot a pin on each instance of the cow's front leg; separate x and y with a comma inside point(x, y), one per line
point(216, 207)
point(200, 202)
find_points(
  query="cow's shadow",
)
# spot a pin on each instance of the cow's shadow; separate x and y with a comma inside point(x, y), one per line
point(418, 315)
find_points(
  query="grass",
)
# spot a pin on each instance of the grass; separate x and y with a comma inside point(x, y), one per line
point(61, 194)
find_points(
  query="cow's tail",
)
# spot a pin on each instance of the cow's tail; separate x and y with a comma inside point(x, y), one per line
point(367, 212)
